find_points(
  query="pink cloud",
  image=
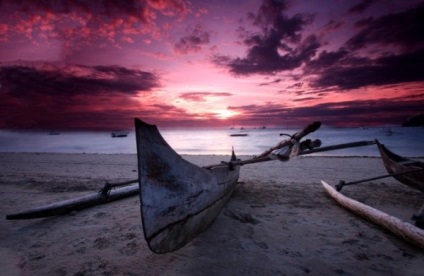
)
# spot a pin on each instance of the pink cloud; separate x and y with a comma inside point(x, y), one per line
point(201, 96)
point(85, 22)
point(201, 12)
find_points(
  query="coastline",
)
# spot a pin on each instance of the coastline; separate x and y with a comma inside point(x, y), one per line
point(279, 221)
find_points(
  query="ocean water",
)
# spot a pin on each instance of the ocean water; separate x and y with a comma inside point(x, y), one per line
point(404, 141)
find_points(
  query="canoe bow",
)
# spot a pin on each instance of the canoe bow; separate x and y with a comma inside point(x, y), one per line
point(178, 199)
point(396, 164)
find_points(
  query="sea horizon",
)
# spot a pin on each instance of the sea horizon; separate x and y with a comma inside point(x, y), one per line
point(405, 141)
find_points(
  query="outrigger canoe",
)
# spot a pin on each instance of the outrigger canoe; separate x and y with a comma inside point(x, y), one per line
point(398, 166)
point(398, 227)
point(178, 199)
point(113, 191)
point(407, 171)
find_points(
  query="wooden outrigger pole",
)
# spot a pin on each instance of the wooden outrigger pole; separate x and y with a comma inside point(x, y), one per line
point(103, 196)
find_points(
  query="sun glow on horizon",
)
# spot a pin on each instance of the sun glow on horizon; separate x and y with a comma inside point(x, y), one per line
point(225, 114)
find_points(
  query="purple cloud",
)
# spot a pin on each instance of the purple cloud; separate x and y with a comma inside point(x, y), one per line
point(402, 29)
point(200, 96)
point(391, 69)
point(196, 38)
point(72, 96)
point(279, 46)
point(69, 80)
point(400, 60)
point(360, 112)
point(361, 6)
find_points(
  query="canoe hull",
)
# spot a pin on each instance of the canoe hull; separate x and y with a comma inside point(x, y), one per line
point(398, 227)
point(397, 164)
point(178, 234)
point(178, 200)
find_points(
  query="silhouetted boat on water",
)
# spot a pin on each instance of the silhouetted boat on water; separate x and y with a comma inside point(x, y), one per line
point(119, 134)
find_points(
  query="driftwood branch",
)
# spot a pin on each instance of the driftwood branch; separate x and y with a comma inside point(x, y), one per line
point(299, 135)
point(302, 152)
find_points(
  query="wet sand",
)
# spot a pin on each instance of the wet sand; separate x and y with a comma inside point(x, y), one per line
point(278, 222)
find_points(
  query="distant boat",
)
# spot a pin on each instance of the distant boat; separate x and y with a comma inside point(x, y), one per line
point(54, 133)
point(119, 134)
point(238, 134)
point(388, 132)
point(264, 125)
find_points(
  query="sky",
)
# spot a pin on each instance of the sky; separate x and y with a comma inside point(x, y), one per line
point(97, 64)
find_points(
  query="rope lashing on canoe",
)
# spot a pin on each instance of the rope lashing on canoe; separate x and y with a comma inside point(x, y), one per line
point(286, 152)
point(294, 148)
point(342, 183)
point(308, 144)
point(105, 191)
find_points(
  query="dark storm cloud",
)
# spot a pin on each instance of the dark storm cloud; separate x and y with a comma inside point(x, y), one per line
point(346, 113)
point(196, 37)
point(398, 44)
point(105, 8)
point(379, 112)
point(392, 69)
point(297, 85)
point(385, 50)
point(403, 29)
point(327, 60)
point(270, 82)
point(361, 6)
point(261, 111)
point(333, 25)
point(201, 96)
point(279, 45)
point(73, 80)
point(72, 96)
point(306, 99)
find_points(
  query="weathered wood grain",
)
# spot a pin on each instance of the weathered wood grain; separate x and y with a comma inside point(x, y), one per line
point(396, 226)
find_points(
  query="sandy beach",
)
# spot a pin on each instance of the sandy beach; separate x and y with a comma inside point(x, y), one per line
point(278, 222)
